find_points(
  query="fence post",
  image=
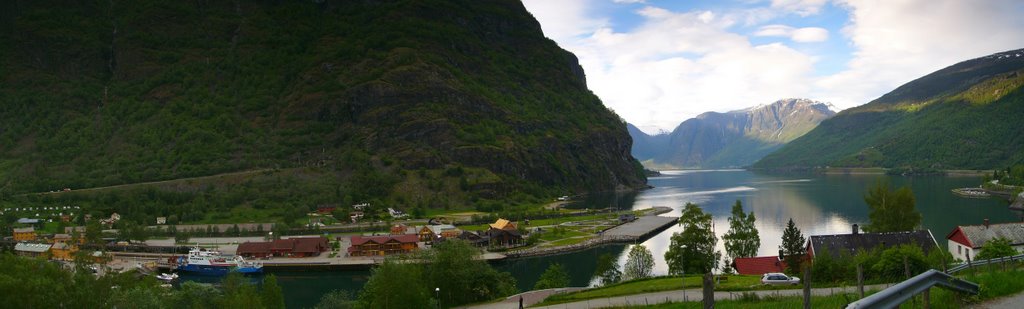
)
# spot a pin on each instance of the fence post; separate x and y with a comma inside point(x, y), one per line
point(709, 291)
point(807, 287)
point(926, 297)
point(860, 280)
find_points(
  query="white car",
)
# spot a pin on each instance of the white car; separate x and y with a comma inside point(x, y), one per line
point(779, 278)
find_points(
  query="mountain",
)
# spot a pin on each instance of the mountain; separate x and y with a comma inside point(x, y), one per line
point(401, 101)
point(732, 139)
point(965, 116)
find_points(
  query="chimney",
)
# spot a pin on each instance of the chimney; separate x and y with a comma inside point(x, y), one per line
point(986, 223)
point(780, 254)
point(856, 229)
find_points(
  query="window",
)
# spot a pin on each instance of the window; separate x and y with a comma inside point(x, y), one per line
point(959, 248)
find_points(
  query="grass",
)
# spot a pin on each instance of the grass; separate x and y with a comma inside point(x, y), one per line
point(748, 301)
point(569, 241)
point(658, 284)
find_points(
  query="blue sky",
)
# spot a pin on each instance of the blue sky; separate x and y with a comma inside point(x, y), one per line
point(659, 62)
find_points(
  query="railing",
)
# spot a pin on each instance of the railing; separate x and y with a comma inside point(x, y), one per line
point(985, 262)
point(901, 292)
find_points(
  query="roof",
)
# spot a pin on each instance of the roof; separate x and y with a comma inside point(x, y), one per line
point(853, 243)
point(498, 232)
point(28, 221)
point(61, 236)
point(977, 235)
point(30, 247)
point(61, 246)
point(501, 224)
point(437, 229)
point(407, 238)
point(282, 244)
point(310, 244)
point(261, 247)
point(759, 265)
point(24, 229)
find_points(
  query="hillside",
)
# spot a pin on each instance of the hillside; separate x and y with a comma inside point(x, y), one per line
point(436, 103)
point(732, 139)
point(965, 116)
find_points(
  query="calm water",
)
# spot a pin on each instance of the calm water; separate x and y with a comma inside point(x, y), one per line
point(818, 204)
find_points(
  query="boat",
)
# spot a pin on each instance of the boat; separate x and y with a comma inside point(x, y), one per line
point(167, 277)
point(210, 262)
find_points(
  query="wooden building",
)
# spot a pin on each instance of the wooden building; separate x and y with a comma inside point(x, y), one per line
point(25, 234)
point(31, 249)
point(290, 247)
point(383, 245)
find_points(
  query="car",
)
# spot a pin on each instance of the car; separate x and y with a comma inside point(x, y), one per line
point(779, 278)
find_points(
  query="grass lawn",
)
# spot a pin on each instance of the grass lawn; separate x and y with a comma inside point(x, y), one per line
point(560, 220)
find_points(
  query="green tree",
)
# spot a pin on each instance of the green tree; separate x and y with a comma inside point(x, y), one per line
point(554, 277)
point(742, 239)
point(608, 269)
point(337, 299)
point(93, 232)
point(793, 246)
point(996, 248)
point(395, 284)
point(273, 297)
point(453, 267)
point(639, 263)
point(891, 211)
point(693, 250)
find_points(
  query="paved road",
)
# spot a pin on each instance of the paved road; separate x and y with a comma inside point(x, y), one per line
point(1009, 302)
point(529, 298)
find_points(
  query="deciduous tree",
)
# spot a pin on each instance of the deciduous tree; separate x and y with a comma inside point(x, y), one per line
point(693, 250)
point(639, 264)
point(554, 277)
point(891, 211)
point(995, 248)
point(742, 239)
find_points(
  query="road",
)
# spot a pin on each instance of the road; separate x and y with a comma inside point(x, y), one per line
point(533, 297)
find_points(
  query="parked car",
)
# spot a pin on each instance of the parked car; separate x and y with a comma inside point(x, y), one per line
point(779, 278)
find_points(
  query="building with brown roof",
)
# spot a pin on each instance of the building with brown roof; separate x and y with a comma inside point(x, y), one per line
point(383, 245)
point(759, 265)
point(291, 247)
point(258, 249)
point(855, 242)
point(63, 251)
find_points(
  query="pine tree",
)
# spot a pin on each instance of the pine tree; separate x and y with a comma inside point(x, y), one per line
point(793, 246)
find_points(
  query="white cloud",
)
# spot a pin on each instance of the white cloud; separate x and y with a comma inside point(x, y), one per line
point(898, 41)
point(629, 1)
point(802, 35)
point(800, 7)
point(674, 66)
point(564, 20)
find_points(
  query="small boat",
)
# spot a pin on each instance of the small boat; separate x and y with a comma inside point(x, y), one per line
point(167, 277)
point(209, 262)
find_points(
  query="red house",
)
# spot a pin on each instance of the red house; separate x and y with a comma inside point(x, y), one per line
point(291, 247)
point(259, 249)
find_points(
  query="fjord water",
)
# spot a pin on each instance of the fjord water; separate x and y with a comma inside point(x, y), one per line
point(818, 204)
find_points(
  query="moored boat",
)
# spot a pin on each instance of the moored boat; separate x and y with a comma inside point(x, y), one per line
point(210, 262)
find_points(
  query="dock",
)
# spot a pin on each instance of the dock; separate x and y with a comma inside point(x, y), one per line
point(641, 228)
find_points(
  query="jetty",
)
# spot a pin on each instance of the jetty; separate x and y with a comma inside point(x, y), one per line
point(634, 231)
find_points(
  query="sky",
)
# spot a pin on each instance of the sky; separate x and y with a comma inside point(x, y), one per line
point(657, 63)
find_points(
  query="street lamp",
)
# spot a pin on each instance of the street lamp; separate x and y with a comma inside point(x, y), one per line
point(437, 294)
point(682, 271)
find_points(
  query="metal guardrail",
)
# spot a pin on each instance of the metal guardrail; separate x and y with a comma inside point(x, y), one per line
point(901, 292)
point(963, 266)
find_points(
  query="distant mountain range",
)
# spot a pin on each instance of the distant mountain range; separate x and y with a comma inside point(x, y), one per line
point(966, 116)
point(731, 139)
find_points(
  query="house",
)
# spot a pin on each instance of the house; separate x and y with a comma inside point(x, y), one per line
point(475, 239)
point(429, 233)
point(161, 220)
point(361, 207)
point(110, 221)
point(290, 247)
point(383, 245)
point(65, 218)
point(758, 265)
point(28, 221)
point(402, 229)
point(60, 239)
point(856, 242)
point(396, 213)
point(24, 234)
point(355, 216)
point(258, 249)
point(31, 249)
point(503, 233)
point(966, 240)
point(325, 209)
point(62, 251)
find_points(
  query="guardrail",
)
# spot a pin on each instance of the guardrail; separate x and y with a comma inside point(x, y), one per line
point(963, 266)
point(901, 292)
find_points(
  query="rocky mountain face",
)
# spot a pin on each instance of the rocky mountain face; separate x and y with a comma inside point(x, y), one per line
point(732, 139)
point(965, 116)
point(365, 93)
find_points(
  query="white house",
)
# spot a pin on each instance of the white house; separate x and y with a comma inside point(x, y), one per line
point(966, 240)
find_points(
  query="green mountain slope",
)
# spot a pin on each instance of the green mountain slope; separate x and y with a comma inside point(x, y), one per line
point(375, 98)
point(966, 116)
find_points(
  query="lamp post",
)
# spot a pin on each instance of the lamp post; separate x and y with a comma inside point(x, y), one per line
point(437, 294)
point(682, 270)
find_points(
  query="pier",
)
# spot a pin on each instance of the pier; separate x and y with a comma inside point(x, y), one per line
point(641, 228)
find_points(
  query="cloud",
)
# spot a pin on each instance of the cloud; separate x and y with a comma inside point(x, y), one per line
point(802, 35)
point(800, 7)
point(629, 1)
point(564, 20)
point(674, 66)
point(898, 41)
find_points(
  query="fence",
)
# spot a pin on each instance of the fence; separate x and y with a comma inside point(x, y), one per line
point(970, 264)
